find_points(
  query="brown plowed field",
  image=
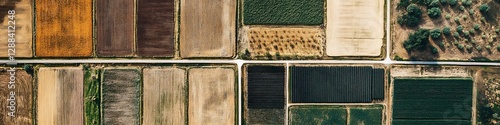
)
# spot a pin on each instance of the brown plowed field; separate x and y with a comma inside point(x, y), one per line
point(115, 27)
point(155, 28)
point(121, 98)
point(23, 22)
point(23, 90)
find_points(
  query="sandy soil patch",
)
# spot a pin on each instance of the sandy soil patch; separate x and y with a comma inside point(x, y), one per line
point(23, 90)
point(24, 30)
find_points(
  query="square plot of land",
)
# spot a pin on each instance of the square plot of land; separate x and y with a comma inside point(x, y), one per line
point(164, 96)
point(355, 27)
point(22, 97)
point(212, 96)
point(207, 28)
point(121, 97)
point(60, 96)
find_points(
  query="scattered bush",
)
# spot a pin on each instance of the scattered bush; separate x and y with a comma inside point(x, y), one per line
point(471, 11)
point(457, 20)
point(483, 19)
point(473, 41)
point(447, 16)
point(436, 33)
point(460, 46)
point(434, 3)
point(466, 40)
point(497, 30)
point(468, 47)
point(460, 28)
point(472, 31)
point(462, 8)
point(477, 26)
point(453, 2)
point(456, 42)
point(479, 48)
point(404, 3)
point(417, 40)
point(483, 36)
point(464, 16)
point(446, 31)
point(456, 34)
point(434, 12)
point(466, 33)
point(484, 8)
point(488, 47)
point(467, 2)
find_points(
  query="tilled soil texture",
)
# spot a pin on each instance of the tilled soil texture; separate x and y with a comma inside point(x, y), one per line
point(355, 27)
point(23, 102)
point(155, 28)
point(262, 41)
point(23, 22)
point(115, 28)
point(164, 96)
point(207, 28)
point(121, 98)
point(63, 28)
point(60, 96)
point(212, 96)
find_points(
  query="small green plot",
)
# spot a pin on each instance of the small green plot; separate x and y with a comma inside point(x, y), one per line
point(309, 115)
point(366, 116)
point(92, 97)
point(283, 12)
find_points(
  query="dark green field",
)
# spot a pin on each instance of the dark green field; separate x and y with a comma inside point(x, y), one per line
point(432, 100)
point(366, 116)
point(310, 115)
point(283, 12)
point(92, 97)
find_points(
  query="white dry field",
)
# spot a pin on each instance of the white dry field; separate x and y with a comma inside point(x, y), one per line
point(164, 96)
point(23, 30)
point(60, 96)
point(355, 27)
point(211, 96)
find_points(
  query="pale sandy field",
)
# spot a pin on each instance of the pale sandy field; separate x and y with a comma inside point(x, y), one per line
point(24, 31)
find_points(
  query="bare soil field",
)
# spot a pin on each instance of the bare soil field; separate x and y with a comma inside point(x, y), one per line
point(282, 41)
point(156, 28)
point(481, 44)
point(164, 96)
point(23, 97)
point(212, 96)
point(63, 28)
point(23, 27)
point(121, 98)
point(60, 96)
point(115, 27)
point(207, 28)
point(355, 28)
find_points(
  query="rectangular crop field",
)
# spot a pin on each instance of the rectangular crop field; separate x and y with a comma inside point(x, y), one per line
point(23, 21)
point(355, 27)
point(317, 115)
point(437, 99)
point(60, 96)
point(335, 84)
point(212, 96)
point(265, 95)
point(365, 116)
point(63, 28)
point(92, 96)
point(23, 91)
point(115, 27)
point(283, 12)
point(164, 96)
point(155, 28)
point(121, 97)
point(207, 28)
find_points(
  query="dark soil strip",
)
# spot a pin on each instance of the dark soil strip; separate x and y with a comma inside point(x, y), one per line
point(266, 98)
point(121, 96)
point(115, 27)
point(155, 28)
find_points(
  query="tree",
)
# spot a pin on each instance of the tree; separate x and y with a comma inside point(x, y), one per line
point(404, 3)
point(413, 9)
point(417, 40)
point(434, 12)
point(444, 2)
point(446, 31)
point(434, 3)
point(484, 8)
point(467, 2)
point(477, 26)
point(460, 28)
point(436, 33)
point(453, 2)
point(456, 34)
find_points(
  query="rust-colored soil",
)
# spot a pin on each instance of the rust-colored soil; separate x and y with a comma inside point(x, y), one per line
point(23, 22)
point(63, 28)
point(23, 90)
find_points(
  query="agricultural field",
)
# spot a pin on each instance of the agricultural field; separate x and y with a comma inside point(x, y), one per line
point(212, 97)
point(336, 84)
point(23, 97)
point(488, 96)
point(336, 115)
point(92, 96)
point(60, 96)
point(117, 39)
point(121, 97)
point(23, 27)
point(264, 94)
point(281, 43)
point(445, 30)
point(207, 28)
point(164, 96)
point(432, 100)
point(155, 28)
point(283, 12)
point(63, 29)
point(355, 28)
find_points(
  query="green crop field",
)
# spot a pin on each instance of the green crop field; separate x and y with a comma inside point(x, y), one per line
point(438, 99)
point(431, 122)
point(92, 97)
point(366, 116)
point(310, 115)
point(283, 12)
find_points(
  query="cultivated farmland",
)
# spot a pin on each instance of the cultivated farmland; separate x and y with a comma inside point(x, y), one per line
point(23, 26)
point(155, 28)
point(23, 98)
point(121, 98)
point(432, 100)
point(115, 27)
point(262, 42)
point(60, 96)
point(310, 115)
point(212, 96)
point(207, 28)
point(63, 28)
point(92, 96)
point(164, 96)
point(283, 12)
point(265, 95)
point(365, 115)
point(355, 28)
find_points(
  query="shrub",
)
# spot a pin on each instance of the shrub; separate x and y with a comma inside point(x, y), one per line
point(417, 40)
point(484, 8)
point(483, 36)
point(434, 12)
point(447, 16)
point(467, 2)
point(466, 40)
point(457, 20)
point(483, 19)
point(460, 46)
point(466, 33)
point(471, 11)
point(488, 47)
point(460, 28)
point(446, 31)
point(453, 2)
point(477, 26)
point(436, 33)
point(479, 48)
point(468, 47)
point(473, 41)
point(404, 3)
point(434, 3)
point(462, 8)
point(464, 16)
point(456, 42)
point(472, 31)
point(456, 34)
point(434, 50)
